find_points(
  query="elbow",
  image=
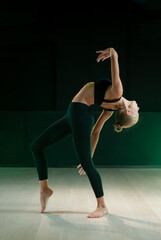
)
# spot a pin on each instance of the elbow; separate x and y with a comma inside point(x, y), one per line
point(95, 133)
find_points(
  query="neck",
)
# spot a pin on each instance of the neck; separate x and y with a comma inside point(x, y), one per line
point(123, 103)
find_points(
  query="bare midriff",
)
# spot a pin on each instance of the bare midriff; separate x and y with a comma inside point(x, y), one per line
point(86, 94)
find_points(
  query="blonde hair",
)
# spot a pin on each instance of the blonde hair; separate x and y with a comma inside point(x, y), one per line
point(122, 120)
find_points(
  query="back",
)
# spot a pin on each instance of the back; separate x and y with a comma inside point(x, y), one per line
point(100, 87)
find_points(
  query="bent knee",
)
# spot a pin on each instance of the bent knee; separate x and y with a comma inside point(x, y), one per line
point(33, 146)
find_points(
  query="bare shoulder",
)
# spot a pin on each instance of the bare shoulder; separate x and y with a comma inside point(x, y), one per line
point(89, 88)
point(89, 84)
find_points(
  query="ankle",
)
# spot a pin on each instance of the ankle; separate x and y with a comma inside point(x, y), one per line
point(101, 202)
point(42, 191)
point(43, 185)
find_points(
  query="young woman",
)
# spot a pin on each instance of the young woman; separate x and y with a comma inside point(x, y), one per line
point(79, 122)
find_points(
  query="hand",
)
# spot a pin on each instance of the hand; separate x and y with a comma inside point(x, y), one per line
point(104, 54)
point(81, 171)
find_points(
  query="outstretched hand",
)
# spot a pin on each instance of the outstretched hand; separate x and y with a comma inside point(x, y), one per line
point(104, 54)
point(81, 170)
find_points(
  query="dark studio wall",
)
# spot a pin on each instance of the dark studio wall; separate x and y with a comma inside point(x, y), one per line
point(48, 54)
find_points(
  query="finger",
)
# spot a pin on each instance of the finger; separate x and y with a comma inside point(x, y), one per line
point(79, 166)
point(99, 57)
point(84, 172)
point(81, 172)
point(100, 51)
point(107, 56)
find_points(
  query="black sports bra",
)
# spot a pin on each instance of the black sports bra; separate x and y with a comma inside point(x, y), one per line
point(100, 87)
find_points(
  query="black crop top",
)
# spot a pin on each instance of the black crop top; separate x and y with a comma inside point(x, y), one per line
point(100, 87)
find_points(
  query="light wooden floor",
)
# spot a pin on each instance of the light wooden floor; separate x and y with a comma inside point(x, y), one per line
point(133, 197)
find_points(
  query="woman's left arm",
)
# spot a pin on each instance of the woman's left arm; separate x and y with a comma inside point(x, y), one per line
point(104, 116)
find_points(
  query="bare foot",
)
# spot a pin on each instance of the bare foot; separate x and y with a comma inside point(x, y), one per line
point(44, 196)
point(99, 212)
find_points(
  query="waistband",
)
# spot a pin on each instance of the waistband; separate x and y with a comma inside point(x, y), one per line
point(80, 105)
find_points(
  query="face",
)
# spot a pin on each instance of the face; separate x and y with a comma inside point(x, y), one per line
point(133, 110)
point(133, 106)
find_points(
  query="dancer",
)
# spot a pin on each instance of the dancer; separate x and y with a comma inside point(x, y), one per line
point(79, 122)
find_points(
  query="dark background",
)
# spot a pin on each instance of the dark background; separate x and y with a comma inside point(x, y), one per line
point(47, 53)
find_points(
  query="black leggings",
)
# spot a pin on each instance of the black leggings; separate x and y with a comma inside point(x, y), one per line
point(79, 122)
